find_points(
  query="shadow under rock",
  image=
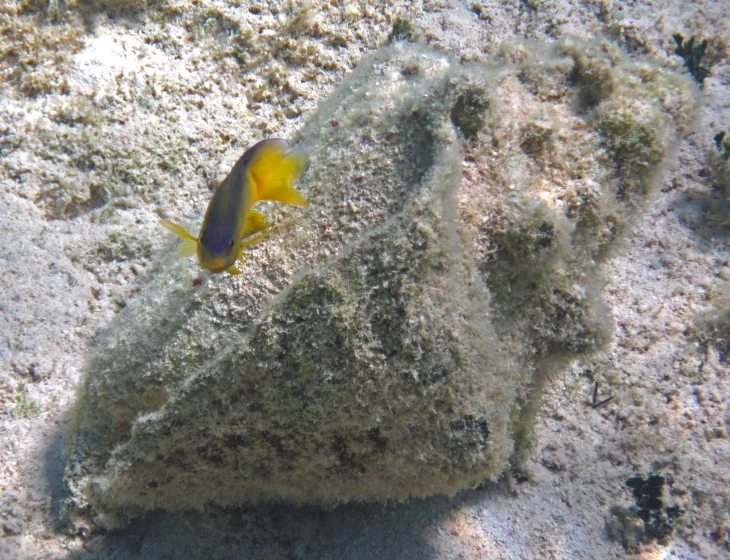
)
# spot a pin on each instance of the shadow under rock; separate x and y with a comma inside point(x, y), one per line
point(54, 464)
point(347, 532)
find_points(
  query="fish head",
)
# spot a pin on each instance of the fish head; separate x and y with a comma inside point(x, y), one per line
point(217, 250)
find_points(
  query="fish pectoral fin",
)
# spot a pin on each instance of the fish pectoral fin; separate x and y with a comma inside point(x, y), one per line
point(255, 221)
point(273, 169)
point(256, 237)
point(253, 239)
point(177, 229)
point(188, 247)
point(233, 269)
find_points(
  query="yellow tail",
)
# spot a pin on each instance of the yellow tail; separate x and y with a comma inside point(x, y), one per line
point(273, 170)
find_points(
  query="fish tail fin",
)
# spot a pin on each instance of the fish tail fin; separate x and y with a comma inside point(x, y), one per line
point(273, 170)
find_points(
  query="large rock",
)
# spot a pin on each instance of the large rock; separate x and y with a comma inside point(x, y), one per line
point(393, 341)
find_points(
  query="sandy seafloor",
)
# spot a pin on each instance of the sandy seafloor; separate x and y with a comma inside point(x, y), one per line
point(68, 263)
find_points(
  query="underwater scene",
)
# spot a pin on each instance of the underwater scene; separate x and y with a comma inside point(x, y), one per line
point(364, 280)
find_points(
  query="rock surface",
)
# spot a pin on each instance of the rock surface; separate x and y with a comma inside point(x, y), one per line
point(392, 338)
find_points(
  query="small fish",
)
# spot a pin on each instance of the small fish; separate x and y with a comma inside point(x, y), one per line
point(265, 171)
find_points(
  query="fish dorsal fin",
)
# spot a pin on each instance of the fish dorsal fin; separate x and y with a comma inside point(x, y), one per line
point(255, 221)
point(177, 229)
point(273, 170)
point(188, 247)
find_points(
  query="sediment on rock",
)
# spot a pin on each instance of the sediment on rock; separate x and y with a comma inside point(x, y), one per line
point(447, 263)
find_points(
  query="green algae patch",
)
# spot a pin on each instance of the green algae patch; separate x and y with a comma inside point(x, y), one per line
point(719, 164)
point(34, 57)
point(692, 54)
point(394, 342)
point(469, 113)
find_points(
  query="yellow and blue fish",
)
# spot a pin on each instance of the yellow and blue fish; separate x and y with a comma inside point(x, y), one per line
point(266, 171)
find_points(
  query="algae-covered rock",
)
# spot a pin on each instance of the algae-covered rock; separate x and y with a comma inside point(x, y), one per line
point(392, 341)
